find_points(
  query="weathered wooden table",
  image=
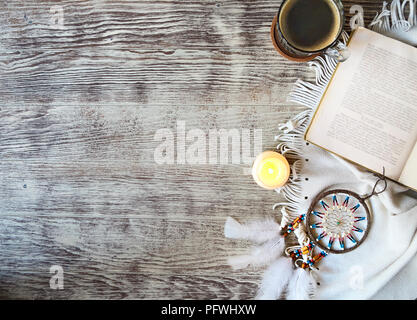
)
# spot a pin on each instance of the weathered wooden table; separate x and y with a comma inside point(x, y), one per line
point(85, 87)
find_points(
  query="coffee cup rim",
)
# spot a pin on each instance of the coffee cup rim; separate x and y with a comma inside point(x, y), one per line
point(342, 22)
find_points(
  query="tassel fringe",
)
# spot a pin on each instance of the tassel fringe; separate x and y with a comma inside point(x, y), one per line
point(394, 19)
point(291, 140)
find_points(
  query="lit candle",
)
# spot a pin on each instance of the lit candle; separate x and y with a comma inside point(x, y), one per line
point(271, 170)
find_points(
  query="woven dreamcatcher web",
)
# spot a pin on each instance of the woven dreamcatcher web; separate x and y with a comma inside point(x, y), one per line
point(338, 221)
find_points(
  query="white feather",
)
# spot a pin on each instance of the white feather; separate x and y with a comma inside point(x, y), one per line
point(259, 256)
point(275, 279)
point(302, 286)
point(256, 231)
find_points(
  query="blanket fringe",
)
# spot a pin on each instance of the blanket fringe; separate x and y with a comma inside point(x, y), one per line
point(291, 140)
point(394, 19)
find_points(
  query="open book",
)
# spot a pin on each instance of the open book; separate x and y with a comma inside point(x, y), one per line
point(368, 113)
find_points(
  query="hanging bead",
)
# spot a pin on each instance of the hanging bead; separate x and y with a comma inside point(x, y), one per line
point(346, 201)
point(355, 207)
point(335, 202)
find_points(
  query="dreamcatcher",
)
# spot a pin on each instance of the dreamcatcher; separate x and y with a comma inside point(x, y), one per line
point(337, 221)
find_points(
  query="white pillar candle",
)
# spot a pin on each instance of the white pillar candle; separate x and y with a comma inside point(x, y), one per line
point(271, 170)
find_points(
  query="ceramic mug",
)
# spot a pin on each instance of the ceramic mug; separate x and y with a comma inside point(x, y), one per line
point(306, 28)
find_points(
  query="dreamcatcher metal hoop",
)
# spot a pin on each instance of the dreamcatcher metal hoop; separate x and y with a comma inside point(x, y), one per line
point(338, 221)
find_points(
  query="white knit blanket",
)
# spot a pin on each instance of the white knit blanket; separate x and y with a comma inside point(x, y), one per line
point(383, 266)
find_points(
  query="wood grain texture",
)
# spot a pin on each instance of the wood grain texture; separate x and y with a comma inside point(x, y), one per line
point(79, 109)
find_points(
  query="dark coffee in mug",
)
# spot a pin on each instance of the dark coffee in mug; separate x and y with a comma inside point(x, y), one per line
point(310, 25)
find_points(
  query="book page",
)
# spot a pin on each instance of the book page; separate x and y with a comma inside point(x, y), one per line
point(409, 174)
point(368, 114)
